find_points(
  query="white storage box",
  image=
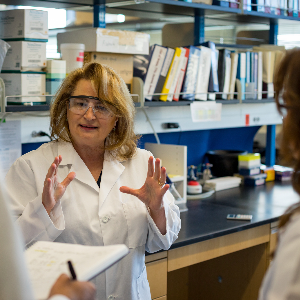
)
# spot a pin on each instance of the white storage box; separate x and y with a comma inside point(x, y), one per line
point(25, 56)
point(26, 24)
point(30, 84)
point(223, 183)
point(105, 40)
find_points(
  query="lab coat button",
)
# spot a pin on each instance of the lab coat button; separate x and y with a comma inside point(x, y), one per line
point(105, 220)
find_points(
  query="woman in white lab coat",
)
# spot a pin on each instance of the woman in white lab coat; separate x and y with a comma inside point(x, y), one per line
point(100, 189)
point(282, 280)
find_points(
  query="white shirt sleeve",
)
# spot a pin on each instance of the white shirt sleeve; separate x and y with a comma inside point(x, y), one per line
point(282, 281)
point(26, 204)
point(156, 241)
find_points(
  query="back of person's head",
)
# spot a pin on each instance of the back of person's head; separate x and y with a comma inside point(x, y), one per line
point(287, 95)
point(112, 89)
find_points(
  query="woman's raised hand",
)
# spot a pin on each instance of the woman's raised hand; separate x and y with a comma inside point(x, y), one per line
point(154, 188)
point(54, 190)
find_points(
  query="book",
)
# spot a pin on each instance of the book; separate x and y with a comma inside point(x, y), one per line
point(157, 57)
point(213, 85)
point(248, 67)
point(212, 95)
point(233, 69)
point(268, 63)
point(241, 72)
point(140, 65)
point(259, 74)
point(224, 68)
point(176, 74)
point(47, 260)
point(258, 5)
point(221, 3)
point(163, 74)
point(203, 73)
point(295, 8)
point(234, 4)
point(182, 69)
point(190, 79)
point(290, 6)
point(283, 7)
point(170, 76)
point(247, 5)
point(268, 6)
point(254, 69)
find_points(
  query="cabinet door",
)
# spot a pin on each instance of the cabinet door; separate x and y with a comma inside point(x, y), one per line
point(157, 277)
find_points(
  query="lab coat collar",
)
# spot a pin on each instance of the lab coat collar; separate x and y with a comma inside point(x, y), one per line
point(112, 169)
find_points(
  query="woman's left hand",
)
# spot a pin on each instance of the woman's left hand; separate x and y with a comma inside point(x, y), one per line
point(154, 188)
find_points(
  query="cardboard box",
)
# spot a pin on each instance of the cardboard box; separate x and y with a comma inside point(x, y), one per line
point(121, 63)
point(56, 66)
point(30, 84)
point(56, 72)
point(25, 56)
point(25, 24)
point(105, 40)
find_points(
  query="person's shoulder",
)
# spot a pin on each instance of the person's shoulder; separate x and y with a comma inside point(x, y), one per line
point(141, 154)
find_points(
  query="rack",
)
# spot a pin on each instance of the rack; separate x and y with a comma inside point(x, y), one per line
point(169, 8)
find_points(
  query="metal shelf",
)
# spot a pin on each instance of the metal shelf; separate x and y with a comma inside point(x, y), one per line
point(26, 108)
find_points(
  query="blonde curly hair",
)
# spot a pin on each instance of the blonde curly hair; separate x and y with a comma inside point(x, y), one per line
point(122, 141)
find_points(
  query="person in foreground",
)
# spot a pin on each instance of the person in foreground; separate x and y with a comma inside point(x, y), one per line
point(14, 277)
point(100, 189)
point(282, 280)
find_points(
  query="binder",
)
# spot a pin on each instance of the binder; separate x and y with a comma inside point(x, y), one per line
point(170, 75)
point(163, 74)
point(158, 54)
point(182, 69)
point(190, 79)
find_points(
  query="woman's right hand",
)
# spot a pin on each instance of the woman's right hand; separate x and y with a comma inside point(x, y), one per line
point(54, 190)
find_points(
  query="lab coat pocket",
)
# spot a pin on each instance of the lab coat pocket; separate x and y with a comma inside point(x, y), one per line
point(143, 286)
point(137, 223)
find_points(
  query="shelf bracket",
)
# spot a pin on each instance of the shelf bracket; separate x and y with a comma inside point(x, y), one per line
point(199, 26)
point(271, 145)
point(99, 13)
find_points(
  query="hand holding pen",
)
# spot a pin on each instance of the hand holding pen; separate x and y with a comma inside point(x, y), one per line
point(71, 288)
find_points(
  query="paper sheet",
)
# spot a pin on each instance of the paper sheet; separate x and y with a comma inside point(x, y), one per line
point(47, 260)
point(10, 144)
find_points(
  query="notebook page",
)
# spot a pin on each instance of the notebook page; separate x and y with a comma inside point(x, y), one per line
point(47, 260)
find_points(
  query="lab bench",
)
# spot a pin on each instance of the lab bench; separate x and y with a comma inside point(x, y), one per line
point(215, 258)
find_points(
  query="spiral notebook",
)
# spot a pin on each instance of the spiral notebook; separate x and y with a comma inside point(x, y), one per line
point(47, 260)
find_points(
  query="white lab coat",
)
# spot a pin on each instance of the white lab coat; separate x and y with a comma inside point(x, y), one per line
point(282, 281)
point(90, 215)
point(14, 277)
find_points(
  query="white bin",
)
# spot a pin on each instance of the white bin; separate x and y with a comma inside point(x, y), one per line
point(73, 55)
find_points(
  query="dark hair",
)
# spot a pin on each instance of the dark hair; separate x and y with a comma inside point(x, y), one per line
point(287, 94)
point(121, 142)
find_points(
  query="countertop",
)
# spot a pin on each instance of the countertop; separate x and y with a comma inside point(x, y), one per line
point(206, 218)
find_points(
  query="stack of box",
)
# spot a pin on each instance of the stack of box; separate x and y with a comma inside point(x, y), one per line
point(26, 31)
point(283, 173)
point(56, 72)
point(114, 48)
point(269, 171)
point(249, 168)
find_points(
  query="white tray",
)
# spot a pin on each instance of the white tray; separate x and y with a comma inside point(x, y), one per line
point(206, 193)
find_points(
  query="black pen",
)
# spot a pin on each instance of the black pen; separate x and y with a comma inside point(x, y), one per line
point(72, 271)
